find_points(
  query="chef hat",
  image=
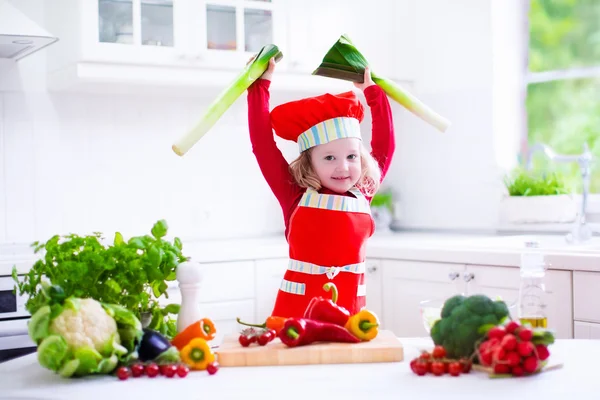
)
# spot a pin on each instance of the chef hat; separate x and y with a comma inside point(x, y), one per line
point(318, 120)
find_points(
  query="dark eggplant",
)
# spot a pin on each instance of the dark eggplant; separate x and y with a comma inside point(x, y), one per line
point(152, 345)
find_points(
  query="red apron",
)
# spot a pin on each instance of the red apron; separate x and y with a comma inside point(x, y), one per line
point(327, 238)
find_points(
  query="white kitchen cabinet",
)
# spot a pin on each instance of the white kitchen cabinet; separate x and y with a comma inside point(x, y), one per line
point(147, 45)
point(373, 280)
point(407, 283)
point(269, 274)
point(586, 330)
point(163, 42)
point(494, 281)
point(227, 292)
point(586, 296)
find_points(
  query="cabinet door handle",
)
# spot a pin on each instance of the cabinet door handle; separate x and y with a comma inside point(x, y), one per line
point(453, 275)
point(468, 276)
point(372, 269)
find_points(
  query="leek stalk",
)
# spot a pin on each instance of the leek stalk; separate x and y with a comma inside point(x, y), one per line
point(227, 97)
point(344, 61)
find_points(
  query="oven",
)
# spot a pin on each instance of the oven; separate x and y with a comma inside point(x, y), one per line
point(14, 338)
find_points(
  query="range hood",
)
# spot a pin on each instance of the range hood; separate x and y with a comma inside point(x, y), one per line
point(19, 35)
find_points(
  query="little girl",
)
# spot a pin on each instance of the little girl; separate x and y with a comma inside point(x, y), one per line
point(325, 193)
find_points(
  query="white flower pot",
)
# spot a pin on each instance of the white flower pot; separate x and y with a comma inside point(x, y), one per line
point(538, 209)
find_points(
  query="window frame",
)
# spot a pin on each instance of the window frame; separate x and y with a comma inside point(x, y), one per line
point(530, 77)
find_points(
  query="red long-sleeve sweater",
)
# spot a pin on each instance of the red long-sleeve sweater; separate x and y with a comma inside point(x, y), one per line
point(274, 166)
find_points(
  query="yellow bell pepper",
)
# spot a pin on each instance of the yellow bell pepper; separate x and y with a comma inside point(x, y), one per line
point(364, 325)
point(197, 354)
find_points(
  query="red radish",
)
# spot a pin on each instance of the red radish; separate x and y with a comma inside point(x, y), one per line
point(542, 352)
point(512, 326)
point(499, 354)
point(517, 370)
point(509, 342)
point(496, 332)
point(525, 348)
point(530, 364)
point(513, 358)
point(525, 335)
point(501, 369)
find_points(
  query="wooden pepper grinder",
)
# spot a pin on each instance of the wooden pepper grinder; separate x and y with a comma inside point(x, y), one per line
point(189, 276)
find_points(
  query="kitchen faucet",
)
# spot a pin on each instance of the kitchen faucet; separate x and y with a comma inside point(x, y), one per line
point(581, 231)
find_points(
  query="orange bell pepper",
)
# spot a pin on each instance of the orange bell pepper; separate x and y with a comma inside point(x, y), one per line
point(204, 329)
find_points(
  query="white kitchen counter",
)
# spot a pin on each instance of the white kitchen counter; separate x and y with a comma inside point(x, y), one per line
point(24, 379)
point(450, 248)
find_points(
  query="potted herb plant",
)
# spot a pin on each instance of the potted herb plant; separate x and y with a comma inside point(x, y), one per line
point(537, 197)
point(132, 273)
point(382, 209)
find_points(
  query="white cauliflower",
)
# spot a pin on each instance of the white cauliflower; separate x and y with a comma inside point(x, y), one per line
point(81, 336)
point(90, 325)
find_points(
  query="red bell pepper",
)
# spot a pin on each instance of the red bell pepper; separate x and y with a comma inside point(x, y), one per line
point(302, 331)
point(326, 310)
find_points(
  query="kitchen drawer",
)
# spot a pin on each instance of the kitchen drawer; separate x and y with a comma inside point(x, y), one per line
point(586, 296)
point(586, 330)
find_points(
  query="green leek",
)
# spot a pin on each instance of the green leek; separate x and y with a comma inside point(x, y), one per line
point(227, 97)
point(344, 61)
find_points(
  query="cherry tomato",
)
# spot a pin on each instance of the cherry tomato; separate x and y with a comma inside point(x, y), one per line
point(212, 368)
point(438, 352)
point(413, 365)
point(421, 367)
point(123, 373)
point(264, 338)
point(438, 368)
point(182, 370)
point(170, 370)
point(163, 368)
point(455, 368)
point(244, 340)
point(137, 370)
point(152, 370)
point(466, 365)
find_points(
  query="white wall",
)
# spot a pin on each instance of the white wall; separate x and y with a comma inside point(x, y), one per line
point(451, 180)
point(108, 162)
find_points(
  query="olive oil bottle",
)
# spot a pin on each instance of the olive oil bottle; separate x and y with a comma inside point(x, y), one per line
point(532, 290)
point(535, 322)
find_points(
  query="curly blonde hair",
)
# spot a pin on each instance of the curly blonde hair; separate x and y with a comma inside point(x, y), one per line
point(368, 183)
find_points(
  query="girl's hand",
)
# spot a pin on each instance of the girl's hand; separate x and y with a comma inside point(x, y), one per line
point(367, 80)
point(268, 74)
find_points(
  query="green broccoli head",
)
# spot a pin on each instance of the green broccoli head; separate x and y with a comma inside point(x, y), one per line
point(458, 330)
point(451, 304)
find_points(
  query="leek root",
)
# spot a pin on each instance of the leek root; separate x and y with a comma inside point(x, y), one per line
point(344, 61)
point(227, 97)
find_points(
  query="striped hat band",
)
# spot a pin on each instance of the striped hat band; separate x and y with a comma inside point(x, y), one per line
point(329, 130)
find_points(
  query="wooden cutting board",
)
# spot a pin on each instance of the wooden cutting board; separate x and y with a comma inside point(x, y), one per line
point(384, 348)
